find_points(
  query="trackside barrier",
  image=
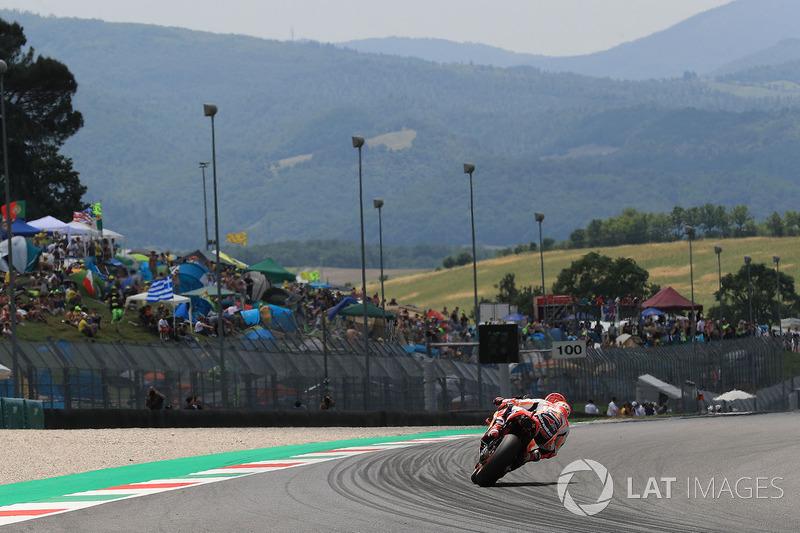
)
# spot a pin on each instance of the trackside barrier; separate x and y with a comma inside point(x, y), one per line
point(128, 418)
point(13, 410)
point(273, 375)
point(34, 414)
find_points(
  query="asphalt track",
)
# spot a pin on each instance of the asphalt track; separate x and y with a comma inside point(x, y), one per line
point(731, 473)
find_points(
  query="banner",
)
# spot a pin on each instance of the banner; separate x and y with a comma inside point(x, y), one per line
point(97, 214)
point(237, 238)
point(17, 210)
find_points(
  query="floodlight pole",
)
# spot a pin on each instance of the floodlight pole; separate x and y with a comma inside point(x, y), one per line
point(718, 251)
point(210, 110)
point(747, 260)
point(358, 142)
point(378, 203)
point(203, 165)
point(540, 218)
point(469, 168)
point(12, 292)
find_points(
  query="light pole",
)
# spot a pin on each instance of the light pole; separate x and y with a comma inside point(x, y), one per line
point(12, 294)
point(539, 218)
point(203, 165)
point(378, 203)
point(469, 168)
point(210, 110)
point(747, 260)
point(689, 230)
point(358, 142)
point(718, 251)
point(777, 259)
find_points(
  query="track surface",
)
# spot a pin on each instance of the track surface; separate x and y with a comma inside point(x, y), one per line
point(427, 487)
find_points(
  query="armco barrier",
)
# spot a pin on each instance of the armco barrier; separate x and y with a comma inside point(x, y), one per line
point(143, 418)
point(34, 414)
point(13, 410)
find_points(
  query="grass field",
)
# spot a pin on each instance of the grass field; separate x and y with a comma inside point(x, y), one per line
point(667, 263)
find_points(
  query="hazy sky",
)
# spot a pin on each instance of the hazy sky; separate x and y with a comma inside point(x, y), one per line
point(550, 27)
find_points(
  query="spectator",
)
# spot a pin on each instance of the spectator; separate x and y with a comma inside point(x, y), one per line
point(298, 406)
point(613, 410)
point(327, 403)
point(154, 399)
point(591, 408)
point(190, 406)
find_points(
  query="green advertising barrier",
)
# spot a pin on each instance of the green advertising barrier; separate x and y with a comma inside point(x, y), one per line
point(13, 410)
point(34, 414)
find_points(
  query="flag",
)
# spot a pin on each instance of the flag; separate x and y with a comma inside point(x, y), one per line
point(313, 275)
point(88, 283)
point(97, 214)
point(160, 289)
point(17, 210)
point(237, 238)
point(84, 216)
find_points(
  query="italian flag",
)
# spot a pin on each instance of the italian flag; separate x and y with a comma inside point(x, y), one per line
point(88, 283)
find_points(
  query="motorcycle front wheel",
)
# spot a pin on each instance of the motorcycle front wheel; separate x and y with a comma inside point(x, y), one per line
point(495, 466)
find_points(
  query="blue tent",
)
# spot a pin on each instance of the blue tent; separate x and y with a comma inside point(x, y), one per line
point(255, 333)
point(283, 317)
point(515, 317)
point(193, 276)
point(182, 311)
point(20, 227)
point(650, 311)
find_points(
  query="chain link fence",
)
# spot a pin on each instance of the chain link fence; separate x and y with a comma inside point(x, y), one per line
point(274, 374)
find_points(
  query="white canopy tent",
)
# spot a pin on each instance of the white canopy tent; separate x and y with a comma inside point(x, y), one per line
point(50, 224)
point(175, 301)
point(80, 228)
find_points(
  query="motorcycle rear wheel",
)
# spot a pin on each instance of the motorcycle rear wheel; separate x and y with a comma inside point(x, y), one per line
point(495, 466)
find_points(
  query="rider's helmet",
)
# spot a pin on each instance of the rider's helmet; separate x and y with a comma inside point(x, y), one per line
point(559, 400)
point(554, 397)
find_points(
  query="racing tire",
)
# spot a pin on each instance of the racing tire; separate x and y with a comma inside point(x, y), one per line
point(495, 466)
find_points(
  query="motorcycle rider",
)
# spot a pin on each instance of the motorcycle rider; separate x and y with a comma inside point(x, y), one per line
point(550, 425)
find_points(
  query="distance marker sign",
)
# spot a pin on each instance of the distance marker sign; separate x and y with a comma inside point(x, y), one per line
point(569, 350)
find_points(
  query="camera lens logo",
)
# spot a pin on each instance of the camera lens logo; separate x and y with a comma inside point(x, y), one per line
point(587, 509)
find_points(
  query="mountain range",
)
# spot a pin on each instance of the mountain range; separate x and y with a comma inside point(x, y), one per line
point(705, 111)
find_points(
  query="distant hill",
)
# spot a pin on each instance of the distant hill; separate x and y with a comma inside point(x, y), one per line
point(702, 44)
point(571, 146)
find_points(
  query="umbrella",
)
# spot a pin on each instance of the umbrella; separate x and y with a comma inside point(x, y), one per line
point(515, 317)
point(5, 372)
point(733, 395)
point(650, 311)
point(790, 322)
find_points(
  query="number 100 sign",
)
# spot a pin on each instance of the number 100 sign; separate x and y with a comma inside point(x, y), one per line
point(569, 350)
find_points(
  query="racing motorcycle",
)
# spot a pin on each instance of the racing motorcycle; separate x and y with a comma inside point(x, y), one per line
point(505, 452)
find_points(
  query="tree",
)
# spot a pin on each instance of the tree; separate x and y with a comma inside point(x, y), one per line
point(764, 297)
point(39, 93)
point(742, 221)
point(775, 224)
point(599, 275)
point(522, 298)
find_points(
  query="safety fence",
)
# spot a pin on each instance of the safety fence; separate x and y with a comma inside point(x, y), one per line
point(248, 374)
point(696, 373)
point(271, 374)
